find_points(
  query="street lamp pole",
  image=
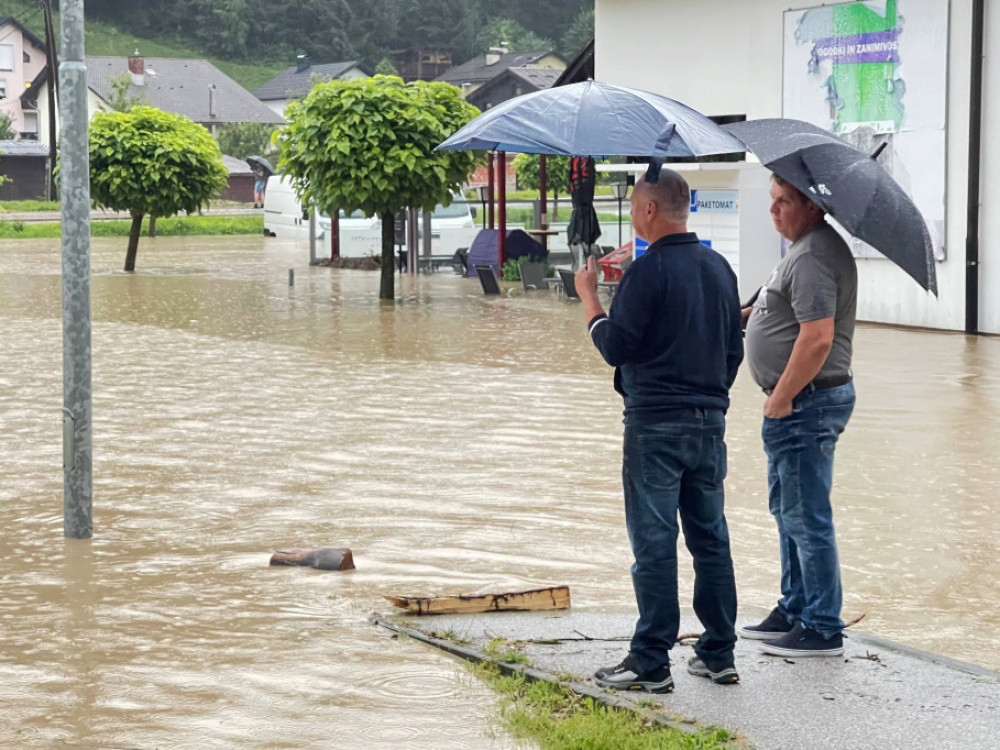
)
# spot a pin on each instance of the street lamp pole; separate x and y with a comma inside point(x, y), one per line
point(620, 189)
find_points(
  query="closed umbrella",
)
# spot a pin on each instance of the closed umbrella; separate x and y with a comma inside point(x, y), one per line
point(594, 119)
point(848, 184)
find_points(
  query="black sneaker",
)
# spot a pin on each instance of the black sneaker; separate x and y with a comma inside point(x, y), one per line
point(773, 626)
point(802, 641)
point(626, 676)
point(726, 676)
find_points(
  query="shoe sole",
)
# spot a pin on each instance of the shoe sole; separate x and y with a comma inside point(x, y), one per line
point(727, 676)
point(667, 686)
point(782, 651)
point(761, 635)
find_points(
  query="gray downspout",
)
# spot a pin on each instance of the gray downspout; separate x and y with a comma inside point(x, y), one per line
point(975, 133)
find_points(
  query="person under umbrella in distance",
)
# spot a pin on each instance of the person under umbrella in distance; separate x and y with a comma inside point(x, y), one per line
point(673, 336)
point(799, 340)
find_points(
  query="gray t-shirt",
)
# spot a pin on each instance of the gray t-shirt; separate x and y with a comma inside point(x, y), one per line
point(817, 279)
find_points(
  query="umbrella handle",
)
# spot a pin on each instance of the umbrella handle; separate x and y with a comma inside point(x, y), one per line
point(880, 149)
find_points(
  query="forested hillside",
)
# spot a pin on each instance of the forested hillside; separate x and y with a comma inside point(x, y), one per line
point(272, 32)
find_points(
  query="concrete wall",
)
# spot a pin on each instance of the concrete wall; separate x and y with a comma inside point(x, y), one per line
point(724, 57)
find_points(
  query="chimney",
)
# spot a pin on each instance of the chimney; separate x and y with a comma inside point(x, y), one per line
point(137, 67)
point(494, 55)
point(302, 62)
point(211, 100)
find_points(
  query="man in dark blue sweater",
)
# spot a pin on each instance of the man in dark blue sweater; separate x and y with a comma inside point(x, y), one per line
point(673, 336)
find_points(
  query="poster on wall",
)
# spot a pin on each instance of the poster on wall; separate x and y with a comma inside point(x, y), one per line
point(874, 72)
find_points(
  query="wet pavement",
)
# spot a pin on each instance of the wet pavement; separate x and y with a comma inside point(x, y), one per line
point(877, 695)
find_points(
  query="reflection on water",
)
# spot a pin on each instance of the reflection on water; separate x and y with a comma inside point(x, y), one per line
point(454, 442)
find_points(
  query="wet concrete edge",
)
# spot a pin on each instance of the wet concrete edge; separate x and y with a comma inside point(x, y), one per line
point(945, 661)
point(622, 702)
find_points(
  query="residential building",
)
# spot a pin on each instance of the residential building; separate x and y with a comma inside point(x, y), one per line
point(471, 75)
point(513, 82)
point(763, 59)
point(22, 58)
point(24, 164)
point(296, 81)
point(191, 87)
point(421, 63)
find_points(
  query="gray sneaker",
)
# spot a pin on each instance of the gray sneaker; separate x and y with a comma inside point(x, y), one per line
point(725, 676)
point(626, 676)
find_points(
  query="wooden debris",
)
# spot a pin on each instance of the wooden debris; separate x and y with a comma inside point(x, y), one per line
point(321, 558)
point(555, 597)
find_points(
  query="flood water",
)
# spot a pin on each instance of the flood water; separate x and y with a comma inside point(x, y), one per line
point(456, 443)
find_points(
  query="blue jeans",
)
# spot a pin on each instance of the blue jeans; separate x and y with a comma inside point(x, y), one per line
point(799, 451)
point(676, 461)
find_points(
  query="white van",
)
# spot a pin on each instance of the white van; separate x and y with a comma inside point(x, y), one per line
point(452, 227)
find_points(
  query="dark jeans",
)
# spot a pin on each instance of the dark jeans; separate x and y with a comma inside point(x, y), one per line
point(677, 462)
point(799, 451)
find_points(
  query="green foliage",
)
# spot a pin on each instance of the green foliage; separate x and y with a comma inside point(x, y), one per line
point(368, 145)
point(386, 68)
point(181, 226)
point(6, 128)
point(119, 100)
point(578, 35)
point(243, 139)
point(512, 35)
point(556, 170)
point(555, 718)
point(30, 206)
point(511, 269)
point(153, 163)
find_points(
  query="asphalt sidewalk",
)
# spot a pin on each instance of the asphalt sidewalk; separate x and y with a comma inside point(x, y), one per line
point(880, 694)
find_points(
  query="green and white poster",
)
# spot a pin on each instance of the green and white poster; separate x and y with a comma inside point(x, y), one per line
point(874, 72)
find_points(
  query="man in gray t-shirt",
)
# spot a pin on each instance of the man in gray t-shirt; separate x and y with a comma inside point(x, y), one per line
point(799, 335)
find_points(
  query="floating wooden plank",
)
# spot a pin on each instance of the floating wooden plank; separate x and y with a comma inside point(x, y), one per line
point(554, 597)
point(321, 558)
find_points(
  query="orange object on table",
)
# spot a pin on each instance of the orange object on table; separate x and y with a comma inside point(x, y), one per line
point(611, 263)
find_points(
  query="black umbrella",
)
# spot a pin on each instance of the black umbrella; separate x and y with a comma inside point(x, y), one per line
point(583, 226)
point(260, 161)
point(848, 184)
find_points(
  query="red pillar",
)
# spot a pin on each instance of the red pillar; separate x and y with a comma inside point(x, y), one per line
point(489, 192)
point(502, 200)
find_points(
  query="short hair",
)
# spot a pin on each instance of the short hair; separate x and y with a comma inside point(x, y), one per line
point(671, 194)
point(782, 182)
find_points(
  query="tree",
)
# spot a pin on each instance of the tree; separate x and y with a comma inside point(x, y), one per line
point(149, 162)
point(578, 35)
point(556, 175)
point(386, 68)
point(243, 139)
point(513, 36)
point(368, 145)
point(119, 99)
point(6, 128)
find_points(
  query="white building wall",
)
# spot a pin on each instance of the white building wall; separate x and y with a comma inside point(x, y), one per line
point(95, 104)
point(22, 74)
point(724, 57)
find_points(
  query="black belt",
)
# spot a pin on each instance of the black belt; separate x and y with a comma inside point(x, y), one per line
point(821, 384)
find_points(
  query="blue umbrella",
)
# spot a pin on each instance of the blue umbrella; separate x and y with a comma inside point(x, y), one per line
point(594, 119)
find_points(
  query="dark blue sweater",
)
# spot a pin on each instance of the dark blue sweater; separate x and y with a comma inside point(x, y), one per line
point(673, 332)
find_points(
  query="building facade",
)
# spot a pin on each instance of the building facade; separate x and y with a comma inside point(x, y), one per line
point(813, 61)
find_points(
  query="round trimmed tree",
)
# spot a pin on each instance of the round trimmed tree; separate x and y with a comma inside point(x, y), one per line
point(368, 145)
point(152, 163)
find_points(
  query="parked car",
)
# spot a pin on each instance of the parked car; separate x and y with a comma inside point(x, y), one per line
point(284, 217)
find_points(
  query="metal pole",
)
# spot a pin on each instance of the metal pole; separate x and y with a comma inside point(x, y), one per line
point(490, 183)
point(313, 214)
point(619, 221)
point(502, 208)
point(74, 175)
point(975, 157)
point(52, 64)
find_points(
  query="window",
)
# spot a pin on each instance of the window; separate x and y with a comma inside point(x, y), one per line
point(25, 57)
point(6, 56)
point(3, 88)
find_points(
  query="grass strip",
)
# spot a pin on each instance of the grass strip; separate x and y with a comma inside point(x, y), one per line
point(181, 226)
point(556, 718)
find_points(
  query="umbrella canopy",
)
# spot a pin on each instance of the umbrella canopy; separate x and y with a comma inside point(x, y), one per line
point(848, 184)
point(594, 119)
point(260, 161)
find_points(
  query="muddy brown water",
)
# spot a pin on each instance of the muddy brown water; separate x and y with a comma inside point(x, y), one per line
point(456, 443)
